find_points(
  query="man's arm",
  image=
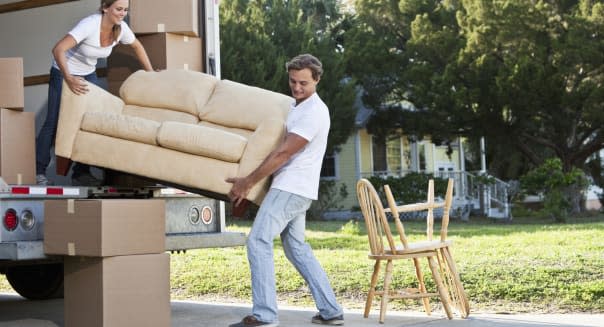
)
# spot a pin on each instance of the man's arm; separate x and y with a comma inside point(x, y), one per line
point(277, 158)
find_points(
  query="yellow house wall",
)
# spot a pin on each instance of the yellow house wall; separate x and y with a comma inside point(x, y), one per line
point(365, 142)
point(347, 173)
point(440, 155)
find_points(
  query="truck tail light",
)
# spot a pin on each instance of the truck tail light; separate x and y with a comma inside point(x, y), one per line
point(10, 219)
point(27, 219)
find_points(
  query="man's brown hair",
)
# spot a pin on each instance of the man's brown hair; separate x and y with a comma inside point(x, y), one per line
point(306, 61)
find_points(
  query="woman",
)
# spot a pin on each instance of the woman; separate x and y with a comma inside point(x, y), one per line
point(75, 59)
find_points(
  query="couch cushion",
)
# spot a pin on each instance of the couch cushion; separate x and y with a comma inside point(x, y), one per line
point(239, 131)
point(180, 90)
point(242, 106)
point(121, 126)
point(159, 114)
point(202, 141)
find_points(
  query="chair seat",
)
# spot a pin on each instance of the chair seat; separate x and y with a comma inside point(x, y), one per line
point(414, 250)
point(422, 246)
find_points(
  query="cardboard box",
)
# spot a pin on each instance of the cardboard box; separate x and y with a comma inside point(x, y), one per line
point(102, 228)
point(17, 147)
point(128, 291)
point(165, 51)
point(11, 83)
point(156, 16)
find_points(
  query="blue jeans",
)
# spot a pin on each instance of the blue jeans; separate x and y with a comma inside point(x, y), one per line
point(283, 213)
point(46, 136)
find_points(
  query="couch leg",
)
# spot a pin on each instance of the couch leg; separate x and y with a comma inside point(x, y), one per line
point(63, 165)
point(240, 210)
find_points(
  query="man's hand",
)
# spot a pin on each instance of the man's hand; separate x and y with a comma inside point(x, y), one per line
point(292, 144)
point(241, 187)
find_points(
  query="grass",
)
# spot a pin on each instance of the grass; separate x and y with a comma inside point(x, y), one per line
point(530, 265)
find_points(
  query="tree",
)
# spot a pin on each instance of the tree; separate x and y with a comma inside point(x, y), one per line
point(258, 37)
point(526, 74)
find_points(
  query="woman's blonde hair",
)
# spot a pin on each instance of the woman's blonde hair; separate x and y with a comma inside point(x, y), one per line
point(117, 29)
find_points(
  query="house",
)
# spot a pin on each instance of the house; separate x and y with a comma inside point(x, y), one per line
point(364, 155)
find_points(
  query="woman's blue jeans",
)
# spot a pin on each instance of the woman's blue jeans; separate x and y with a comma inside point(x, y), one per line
point(283, 213)
point(46, 136)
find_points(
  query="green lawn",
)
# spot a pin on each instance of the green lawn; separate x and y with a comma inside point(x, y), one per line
point(529, 265)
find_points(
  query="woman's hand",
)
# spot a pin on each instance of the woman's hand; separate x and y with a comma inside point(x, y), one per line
point(77, 84)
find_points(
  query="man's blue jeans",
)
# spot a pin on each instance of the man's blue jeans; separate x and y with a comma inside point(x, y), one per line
point(46, 136)
point(283, 213)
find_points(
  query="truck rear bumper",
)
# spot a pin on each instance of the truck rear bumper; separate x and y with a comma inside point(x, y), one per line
point(23, 250)
point(34, 250)
point(175, 242)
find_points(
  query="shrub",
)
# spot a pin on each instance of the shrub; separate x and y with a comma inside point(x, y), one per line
point(562, 190)
point(329, 198)
point(411, 188)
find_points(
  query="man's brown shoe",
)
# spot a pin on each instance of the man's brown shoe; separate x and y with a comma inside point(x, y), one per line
point(251, 321)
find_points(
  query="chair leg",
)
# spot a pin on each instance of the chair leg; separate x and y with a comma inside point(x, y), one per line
point(370, 295)
point(422, 285)
point(442, 291)
point(457, 287)
point(387, 280)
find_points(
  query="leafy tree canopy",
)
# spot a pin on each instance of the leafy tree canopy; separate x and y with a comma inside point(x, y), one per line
point(258, 37)
point(526, 74)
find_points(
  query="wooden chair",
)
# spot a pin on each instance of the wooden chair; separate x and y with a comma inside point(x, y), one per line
point(384, 248)
point(456, 293)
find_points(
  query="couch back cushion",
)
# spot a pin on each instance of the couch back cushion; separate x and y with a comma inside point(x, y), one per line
point(160, 114)
point(241, 106)
point(179, 90)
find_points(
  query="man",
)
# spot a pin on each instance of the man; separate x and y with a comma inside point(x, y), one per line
point(296, 164)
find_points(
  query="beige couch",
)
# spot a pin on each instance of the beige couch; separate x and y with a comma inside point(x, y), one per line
point(179, 127)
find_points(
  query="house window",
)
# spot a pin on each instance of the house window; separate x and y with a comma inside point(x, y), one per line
point(387, 155)
point(393, 154)
point(379, 156)
point(329, 169)
point(421, 152)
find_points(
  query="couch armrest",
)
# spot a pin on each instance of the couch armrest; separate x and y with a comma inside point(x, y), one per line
point(265, 139)
point(73, 108)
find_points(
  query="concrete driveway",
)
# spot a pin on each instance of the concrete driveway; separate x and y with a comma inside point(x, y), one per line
point(18, 312)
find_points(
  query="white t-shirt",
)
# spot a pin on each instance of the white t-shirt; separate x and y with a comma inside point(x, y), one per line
point(82, 59)
point(301, 174)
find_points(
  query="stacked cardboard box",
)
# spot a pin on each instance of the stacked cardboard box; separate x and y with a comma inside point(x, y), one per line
point(17, 128)
point(170, 38)
point(116, 270)
point(11, 83)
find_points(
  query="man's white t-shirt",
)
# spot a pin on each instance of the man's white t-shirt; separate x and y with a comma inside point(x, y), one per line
point(82, 59)
point(301, 174)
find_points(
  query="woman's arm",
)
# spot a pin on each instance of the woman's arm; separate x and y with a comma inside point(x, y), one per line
point(141, 55)
point(76, 84)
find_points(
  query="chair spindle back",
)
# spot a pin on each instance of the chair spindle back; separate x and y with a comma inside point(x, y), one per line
point(376, 221)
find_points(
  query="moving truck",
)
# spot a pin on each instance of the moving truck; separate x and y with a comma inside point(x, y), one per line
point(29, 30)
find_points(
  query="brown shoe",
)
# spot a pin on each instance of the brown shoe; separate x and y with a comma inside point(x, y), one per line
point(251, 321)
